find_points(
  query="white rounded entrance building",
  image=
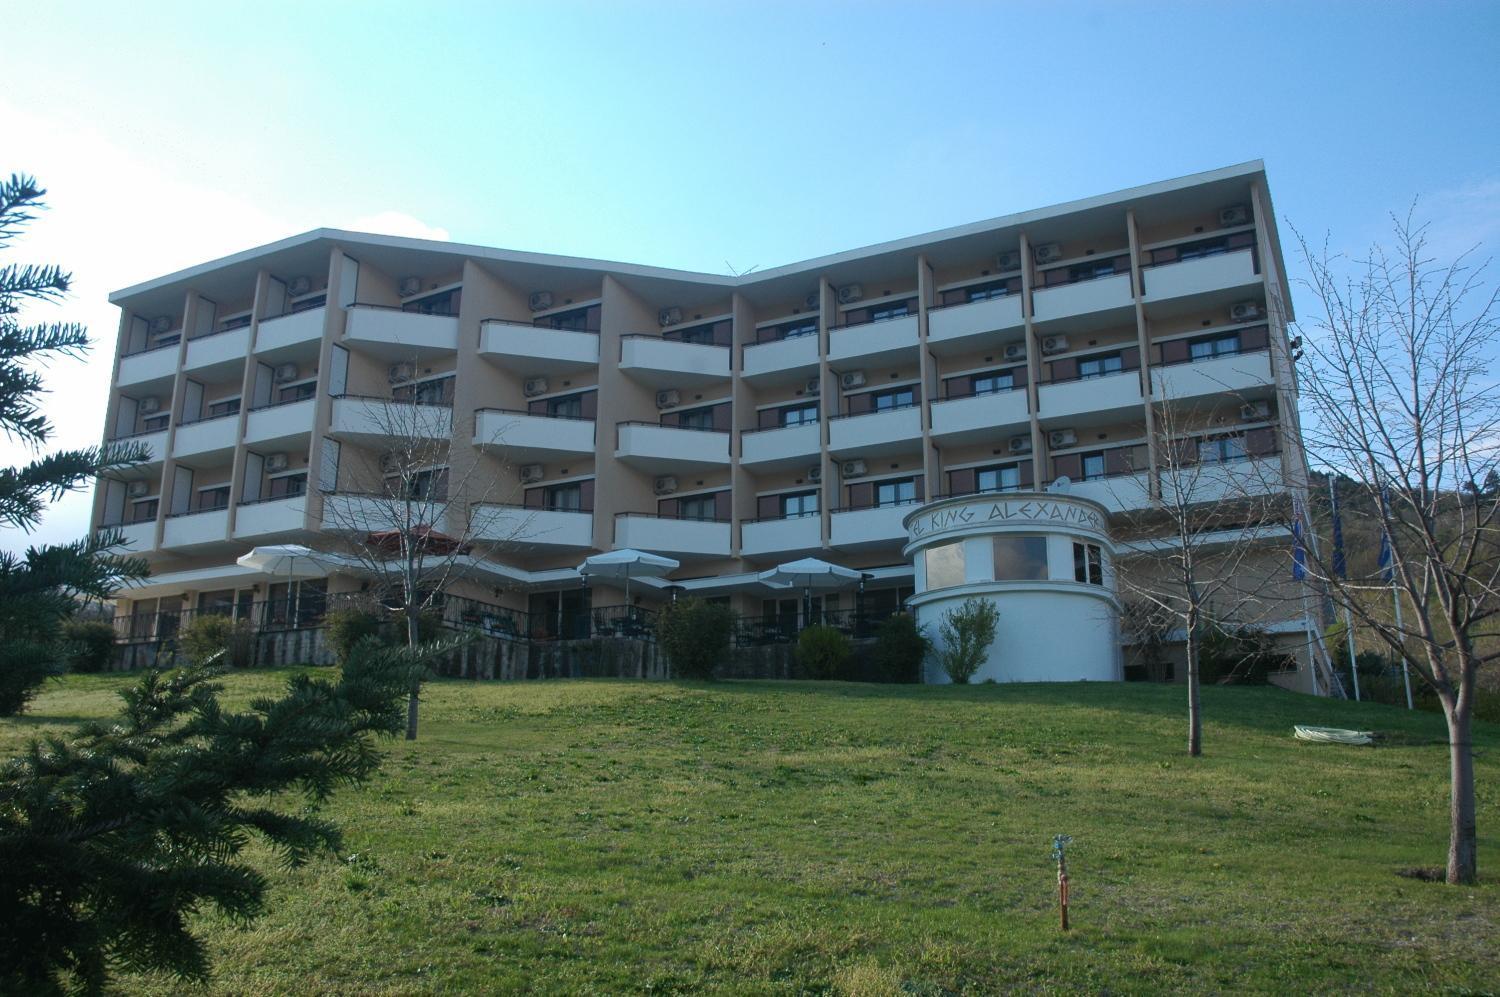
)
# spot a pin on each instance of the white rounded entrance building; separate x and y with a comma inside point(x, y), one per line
point(1045, 560)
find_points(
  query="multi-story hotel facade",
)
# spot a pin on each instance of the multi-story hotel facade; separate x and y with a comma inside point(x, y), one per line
point(729, 422)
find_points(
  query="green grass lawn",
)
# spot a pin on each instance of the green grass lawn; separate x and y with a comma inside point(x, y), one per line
point(602, 837)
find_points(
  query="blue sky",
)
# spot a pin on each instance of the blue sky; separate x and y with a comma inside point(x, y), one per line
point(708, 135)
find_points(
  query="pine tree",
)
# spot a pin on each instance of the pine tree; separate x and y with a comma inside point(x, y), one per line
point(40, 589)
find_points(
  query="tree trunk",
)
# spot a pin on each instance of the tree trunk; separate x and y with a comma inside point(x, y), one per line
point(1463, 844)
point(1195, 707)
point(412, 634)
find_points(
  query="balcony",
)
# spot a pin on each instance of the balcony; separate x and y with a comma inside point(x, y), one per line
point(155, 444)
point(289, 330)
point(657, 449)
point(270, 517)
point(532, 529)
point(887, 341)
point(1117, 493)
point(152, 365)
point(1240, 374)
point(138, 537)
point(781, 361)
point(378, 420)
point(207, 438)
point(530, 438)
point(783, 447)
point(1227, 480)
point(221, 349)
point(1099, 397)
point(196, 529)
point(533, 350)
point(851, 529)
point(875, 433)
point(667, 363)
point(974, 326)
point(1222, 272)
point(280, 423)
point(768, 537)
point(1083, 297)
point(393, 334)
point(674, 537)
point(979, 417)
point(360, 513)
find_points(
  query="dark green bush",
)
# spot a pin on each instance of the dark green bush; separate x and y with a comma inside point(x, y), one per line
point(823, 653)
point(347, 627)
point(694, 635)
point(1243, 656)
point(88, 645)
point(206, 636)
point(900, 647)
point(967, 633)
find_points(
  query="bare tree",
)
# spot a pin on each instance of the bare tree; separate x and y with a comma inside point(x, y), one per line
point(1398, 380)
point(408, 518)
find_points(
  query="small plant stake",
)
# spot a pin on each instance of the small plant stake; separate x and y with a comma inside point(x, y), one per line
point(1059, 846)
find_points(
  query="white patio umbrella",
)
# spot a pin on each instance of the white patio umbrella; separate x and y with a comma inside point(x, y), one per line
point(626, 564)
point(289, 561)
point(809, 574)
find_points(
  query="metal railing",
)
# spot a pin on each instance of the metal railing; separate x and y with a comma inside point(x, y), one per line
point(783, 628)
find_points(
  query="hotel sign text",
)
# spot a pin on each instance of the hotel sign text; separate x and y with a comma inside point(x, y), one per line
point(1017, 512)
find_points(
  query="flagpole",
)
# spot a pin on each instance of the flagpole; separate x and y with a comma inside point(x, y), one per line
point(1299, 574)
point(1388, 572)
point(1340, 568)
point(1405, 672)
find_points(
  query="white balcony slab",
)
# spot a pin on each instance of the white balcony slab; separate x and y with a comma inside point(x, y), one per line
point(270, 518)
point(196, 529)
point(533, 438)
point(138, 537)
point(673, 537)
point(375, 420)
point(533, 529)
point(208, 437)
point(1117, 493)
point(151, 366)
point(224, 349)
point(976, 325)
point(781, 361)
point(868, 527)
point(875, 433)
point(979, 417)
point(155, 444)
point(1223, 272)
point(289, 330)
point(1111, 395)
point(396, 335)
point(280, 422)
point(768, 537)
point(666, 363)
point(344, 512)
point(768, 448)
point(663, 449)
point(874, 342)
point(1225, 481)
point(1070, 300)
point(1241, 374)
point(530, 350)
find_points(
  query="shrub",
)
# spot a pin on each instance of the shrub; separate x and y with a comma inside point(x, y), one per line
point(206, 636)
point(347, 627)
point(823, 652)
point(1243, 656)
point(900, 648)
point(694, 635)
point(967, 633)
point(88, 645)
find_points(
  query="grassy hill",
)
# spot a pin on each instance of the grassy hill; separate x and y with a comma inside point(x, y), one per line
point(784, 838)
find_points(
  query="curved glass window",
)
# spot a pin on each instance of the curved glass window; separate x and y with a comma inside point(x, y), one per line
point(945, 565)
point(1020, 559)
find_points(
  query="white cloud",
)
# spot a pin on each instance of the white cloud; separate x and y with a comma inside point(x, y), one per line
point(397, 223)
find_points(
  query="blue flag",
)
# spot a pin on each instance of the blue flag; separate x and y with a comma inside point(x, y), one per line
point(1299, 556)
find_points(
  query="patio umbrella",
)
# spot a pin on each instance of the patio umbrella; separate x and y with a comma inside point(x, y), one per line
point(288, 560)
point(627, 563)
point(808, 574)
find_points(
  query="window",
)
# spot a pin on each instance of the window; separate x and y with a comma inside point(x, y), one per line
point(296, 392)
point(998, 479)
point(898, 492)
point(237, 322)
point(1198, 250)
point(442, 303)
point(702, 507)
point(1220, 449)
point(708, 334)
point(570, 407)
point(153, 423)
point(945, 565)
point(799, 415)
point(423, 486)
point(896, 309)
point(216, 603)
point(1214, 346)
point(1019, 559)
point(564, 498)
point(288, 485)
point(437, 391)
point(308, 304)
point(988, 384)
point(698, 418)
point(1099, 366)
point(298, 605)
point(1088, 564)
point(213, 498)
point(984, 292)
point(895, 398)
point(794, 330)
point(227, 406)
point(143, 511)
point(577, 320)
point(799, 504)
point(1093, 466)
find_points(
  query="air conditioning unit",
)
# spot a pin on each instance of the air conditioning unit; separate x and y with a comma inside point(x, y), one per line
point(1061, 438)
point(1054, 344)
point(161, 324)
point(400, 373)
point(853, 469)
point(668, 398)
point(813, 302)
point(139, 489)
point(850, 293)
point(534, 386)
point(814, 386)
point(276, 462)
point(1251, 411)
point(1244, 311)
point(1238, 214)
point(852, 379)
point(1015, 351)
point(298, 286)
point(540, 301)
point(1049, 252)
point(1020, 444)
point(531, 474)
point(149, 404)
point(410, 286)
point(664, 485)
point(1009, 261)
point(284, 372)
point(669, 316)
point(815, 473)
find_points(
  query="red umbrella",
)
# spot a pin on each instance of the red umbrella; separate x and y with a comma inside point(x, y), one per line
point(425, 538)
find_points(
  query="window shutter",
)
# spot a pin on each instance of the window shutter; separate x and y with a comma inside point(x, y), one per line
point(538, 407)
point(1018, 376)
point(1259, 442)
point(1068, 465)
point(857, 404)
point(958, 387)
point(1130, 358)
point(534, 498)
point(1064, 370)
point(919, 486)
point(1117, 461)
point(671, 419)
point(1175, 351)
point(722, 510)
point(586, 495)
point(1255, 338)
point(861, 495)
point(666, 507)
point(721, 417)
point(590, 403)
point(768, 418)
point(767, 506)
point(1025, 473)
point(961, 482)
